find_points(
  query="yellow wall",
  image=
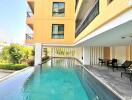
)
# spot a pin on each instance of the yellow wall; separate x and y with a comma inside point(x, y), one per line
point(30, 21)
point(43, 21)
point(107, 13)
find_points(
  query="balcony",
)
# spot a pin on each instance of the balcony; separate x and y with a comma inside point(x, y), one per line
point(30, 19)
point(89, 17)
point(31, 4)
point(29, 39)
point(29, 36)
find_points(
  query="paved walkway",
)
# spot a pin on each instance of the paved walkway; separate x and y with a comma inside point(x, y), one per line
point(4, 74)
point(122, 85)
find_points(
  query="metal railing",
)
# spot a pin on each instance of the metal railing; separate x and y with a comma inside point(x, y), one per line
point(29, 14)
point(29, 36)
point(88, 19)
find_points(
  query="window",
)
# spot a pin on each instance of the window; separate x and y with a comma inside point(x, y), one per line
point(58, 31)
point(58, 9)
point(109, 1)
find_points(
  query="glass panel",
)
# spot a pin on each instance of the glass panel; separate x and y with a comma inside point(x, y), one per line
point(55, 29)
point(61, 7)
point(58, 36)
point(55, 7)
point(61, 29)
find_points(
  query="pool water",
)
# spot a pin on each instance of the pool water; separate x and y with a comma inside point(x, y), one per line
point(56, 80)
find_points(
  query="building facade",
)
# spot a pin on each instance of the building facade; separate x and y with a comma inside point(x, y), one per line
point(93, 28)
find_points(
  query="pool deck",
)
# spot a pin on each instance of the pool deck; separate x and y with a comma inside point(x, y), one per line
point(121, 85)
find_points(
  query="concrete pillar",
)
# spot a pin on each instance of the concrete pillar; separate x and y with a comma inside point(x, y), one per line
point(38, 53)
point(86, 55)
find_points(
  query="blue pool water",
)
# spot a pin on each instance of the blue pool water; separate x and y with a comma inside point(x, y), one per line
point(59, 79)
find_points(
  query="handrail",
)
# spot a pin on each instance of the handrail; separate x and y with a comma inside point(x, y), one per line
point(29, 14)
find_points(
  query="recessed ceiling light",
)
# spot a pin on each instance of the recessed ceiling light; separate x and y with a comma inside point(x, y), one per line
point(123, 37)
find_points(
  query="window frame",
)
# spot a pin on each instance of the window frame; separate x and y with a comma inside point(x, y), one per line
point(58, 31)
point(58, 12)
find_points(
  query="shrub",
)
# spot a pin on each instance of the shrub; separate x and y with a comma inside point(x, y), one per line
point(12, 66)
point(31, 62)
point(15, 52)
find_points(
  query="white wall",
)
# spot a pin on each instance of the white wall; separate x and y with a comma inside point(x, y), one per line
point(38, 54)
point(90, 54)
point(86, 55)
point(79, 53)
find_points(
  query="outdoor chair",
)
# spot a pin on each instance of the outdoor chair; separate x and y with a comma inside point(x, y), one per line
point(109, 63)
point(114, 64)
point(128, 72)
point(125, 65)
point(101, 62)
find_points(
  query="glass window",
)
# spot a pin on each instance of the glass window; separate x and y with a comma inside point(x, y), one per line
point(58, 9)
point(58, 31)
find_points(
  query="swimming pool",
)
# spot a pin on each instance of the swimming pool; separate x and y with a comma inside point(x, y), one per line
point(58, 79)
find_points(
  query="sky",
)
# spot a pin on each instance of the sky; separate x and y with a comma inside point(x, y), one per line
point(13, 20)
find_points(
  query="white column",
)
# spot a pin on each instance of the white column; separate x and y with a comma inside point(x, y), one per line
point(38, 53)
point(86, 55)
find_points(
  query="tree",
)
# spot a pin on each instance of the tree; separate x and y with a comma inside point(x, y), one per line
point(15, 53)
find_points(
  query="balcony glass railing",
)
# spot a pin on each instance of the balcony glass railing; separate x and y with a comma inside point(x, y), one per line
point(29, 36)
point(88, 19)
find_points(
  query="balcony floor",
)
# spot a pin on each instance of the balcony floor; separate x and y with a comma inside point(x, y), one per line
point(122, 85)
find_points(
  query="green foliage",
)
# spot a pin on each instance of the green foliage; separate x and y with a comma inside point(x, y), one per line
point(9, 66)
point(15, 53)
point(31, 62)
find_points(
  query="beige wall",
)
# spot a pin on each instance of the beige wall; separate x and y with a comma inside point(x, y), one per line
point(106, 52)
point(129, 52)
point(121, 53)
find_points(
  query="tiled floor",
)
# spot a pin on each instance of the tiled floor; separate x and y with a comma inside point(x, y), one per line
point(122, 85)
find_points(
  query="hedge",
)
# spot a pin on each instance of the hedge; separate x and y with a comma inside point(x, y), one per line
point(12, 66)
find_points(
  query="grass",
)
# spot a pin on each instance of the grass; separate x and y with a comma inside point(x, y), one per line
point(12, 66)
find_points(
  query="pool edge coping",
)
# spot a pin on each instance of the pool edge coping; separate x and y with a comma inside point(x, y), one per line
point(15, 73)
